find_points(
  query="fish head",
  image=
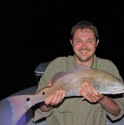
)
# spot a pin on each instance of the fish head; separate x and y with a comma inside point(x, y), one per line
point(106, 83)
point(116, 87)
point(110, 84)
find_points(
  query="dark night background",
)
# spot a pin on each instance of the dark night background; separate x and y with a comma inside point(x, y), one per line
point(34, 32)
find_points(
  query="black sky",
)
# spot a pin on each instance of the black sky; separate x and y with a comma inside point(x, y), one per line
point(34, 32)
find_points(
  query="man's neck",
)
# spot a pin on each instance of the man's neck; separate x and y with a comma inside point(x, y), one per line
point(88, 63)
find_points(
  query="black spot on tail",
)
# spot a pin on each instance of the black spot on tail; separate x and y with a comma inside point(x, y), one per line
point(27, 99)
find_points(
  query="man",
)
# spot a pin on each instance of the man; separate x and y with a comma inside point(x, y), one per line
point(71, 111)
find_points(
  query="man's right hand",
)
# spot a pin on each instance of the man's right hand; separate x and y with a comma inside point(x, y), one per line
point(55, 98)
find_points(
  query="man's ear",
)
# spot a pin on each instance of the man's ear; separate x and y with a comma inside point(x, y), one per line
point(97, 42)
point(71, 42)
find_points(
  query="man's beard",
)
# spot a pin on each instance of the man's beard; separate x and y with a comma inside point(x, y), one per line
point(85, 60)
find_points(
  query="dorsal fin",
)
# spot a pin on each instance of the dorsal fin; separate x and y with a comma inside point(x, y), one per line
point(58, 75)
point(76, 68)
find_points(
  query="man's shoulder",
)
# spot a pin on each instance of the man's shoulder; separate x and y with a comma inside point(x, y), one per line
point(108, 66)
point(104, 61)
point(60, 64)
point(62, 59)
point(105, 64)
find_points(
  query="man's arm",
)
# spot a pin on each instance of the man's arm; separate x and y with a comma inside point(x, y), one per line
point(89, 93)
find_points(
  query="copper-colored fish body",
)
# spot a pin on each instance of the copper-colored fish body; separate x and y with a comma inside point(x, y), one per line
point(71, 82)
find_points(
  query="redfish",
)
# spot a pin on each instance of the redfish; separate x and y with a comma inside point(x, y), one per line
point(71, 82)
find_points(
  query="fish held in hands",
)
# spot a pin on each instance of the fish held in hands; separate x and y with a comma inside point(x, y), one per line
point(71, 82)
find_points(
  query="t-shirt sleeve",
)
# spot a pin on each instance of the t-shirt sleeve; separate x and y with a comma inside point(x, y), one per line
point(57, 65)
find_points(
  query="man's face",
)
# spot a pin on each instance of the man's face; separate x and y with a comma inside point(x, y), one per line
point(84, 45)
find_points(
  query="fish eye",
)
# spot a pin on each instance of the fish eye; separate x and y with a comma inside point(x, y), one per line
point(43, 93)
point(27, 99)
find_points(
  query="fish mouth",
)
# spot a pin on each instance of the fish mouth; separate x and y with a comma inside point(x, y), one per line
point(112, 91)
point(121, 91)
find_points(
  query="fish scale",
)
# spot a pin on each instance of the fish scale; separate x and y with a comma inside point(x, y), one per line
point(71, 82)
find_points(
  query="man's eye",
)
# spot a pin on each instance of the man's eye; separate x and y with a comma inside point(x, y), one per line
point(90, 41)
point(78, 41)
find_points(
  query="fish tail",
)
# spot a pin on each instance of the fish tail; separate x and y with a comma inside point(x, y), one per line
point(19, 106)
